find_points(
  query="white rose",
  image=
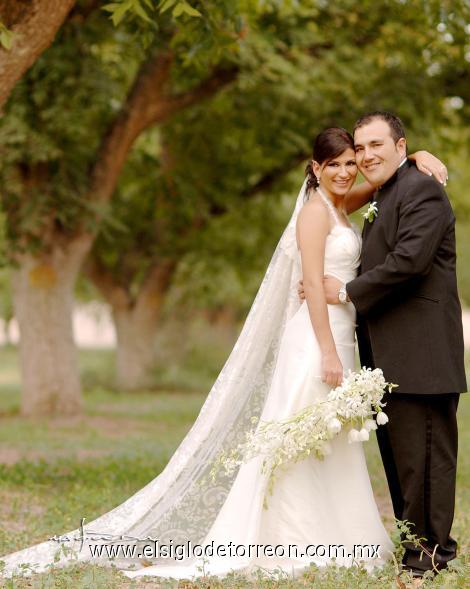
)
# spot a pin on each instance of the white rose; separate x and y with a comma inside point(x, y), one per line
point(334, 425)
point(382, 418)
point(363, 435)
point(353, 436)
point(370, 425)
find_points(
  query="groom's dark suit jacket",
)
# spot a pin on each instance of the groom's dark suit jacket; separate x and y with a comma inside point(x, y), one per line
point(409, 314)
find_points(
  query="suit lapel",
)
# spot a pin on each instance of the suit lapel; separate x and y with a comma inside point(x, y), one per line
point(379, 197)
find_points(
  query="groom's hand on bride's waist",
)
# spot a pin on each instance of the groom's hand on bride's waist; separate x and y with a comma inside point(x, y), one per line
point(331, 287)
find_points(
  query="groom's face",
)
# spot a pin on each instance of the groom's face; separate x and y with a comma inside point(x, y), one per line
point(377, 154)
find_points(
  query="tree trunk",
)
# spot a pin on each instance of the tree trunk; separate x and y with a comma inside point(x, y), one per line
point(43, 297)
point(34, 24)
point(135, 318)
point(136, 330)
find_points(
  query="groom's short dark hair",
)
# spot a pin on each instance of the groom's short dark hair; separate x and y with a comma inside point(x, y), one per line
point(397, 130)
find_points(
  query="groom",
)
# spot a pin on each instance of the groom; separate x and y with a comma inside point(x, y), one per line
point(410, 326)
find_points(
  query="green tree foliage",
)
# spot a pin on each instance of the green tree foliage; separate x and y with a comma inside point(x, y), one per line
point(6, 37)
point(301, 66)
point(214, 187)
point(60, 112)
point(177, 137)
point(51, 229)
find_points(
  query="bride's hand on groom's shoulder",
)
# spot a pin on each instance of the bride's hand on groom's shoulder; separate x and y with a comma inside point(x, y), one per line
point(431, 165)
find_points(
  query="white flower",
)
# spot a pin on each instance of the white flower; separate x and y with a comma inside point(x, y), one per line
point(363, 435)
point(309, 432)
point(370, 425)
point(382, 418)
point(334, 425)
point(371, 212)
point(353, 436)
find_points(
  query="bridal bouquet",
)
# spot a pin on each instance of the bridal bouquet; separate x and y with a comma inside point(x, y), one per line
point(355, 405)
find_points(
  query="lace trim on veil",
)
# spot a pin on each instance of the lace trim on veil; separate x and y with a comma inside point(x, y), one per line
point(182, 502)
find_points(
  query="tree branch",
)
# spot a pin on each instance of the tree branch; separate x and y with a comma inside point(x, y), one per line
point(34, 24)
point(147, 104)
point(150, 294)
point(276, 174)
point(158, 278)
point(116, 295)
point(155, 285)
point(265, 182)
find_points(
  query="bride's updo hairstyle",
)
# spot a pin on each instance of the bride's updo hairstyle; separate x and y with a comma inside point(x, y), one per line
point(329, 144)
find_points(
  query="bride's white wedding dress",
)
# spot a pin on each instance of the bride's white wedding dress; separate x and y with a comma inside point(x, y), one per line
point(314, 503)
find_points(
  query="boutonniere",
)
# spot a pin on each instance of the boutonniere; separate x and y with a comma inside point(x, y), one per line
point(371, 212)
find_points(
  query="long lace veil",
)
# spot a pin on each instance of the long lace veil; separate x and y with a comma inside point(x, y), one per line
point(183, 501)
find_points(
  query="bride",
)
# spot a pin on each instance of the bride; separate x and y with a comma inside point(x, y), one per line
point(288, 356)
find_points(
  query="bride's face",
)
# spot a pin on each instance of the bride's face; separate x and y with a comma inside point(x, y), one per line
point(337, 175)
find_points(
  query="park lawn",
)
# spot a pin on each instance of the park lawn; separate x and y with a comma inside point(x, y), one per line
point(54, 472)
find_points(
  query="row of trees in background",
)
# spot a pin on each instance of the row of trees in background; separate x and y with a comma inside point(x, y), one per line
point(152, 152)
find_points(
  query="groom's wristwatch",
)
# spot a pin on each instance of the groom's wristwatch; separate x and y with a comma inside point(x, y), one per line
point(343, 295)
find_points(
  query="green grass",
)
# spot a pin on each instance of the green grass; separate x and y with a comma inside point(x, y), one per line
point(54, 472)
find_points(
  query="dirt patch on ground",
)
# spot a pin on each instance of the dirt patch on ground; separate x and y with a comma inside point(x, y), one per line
point(112, 427)
point(16, 509)
point(10, 456)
